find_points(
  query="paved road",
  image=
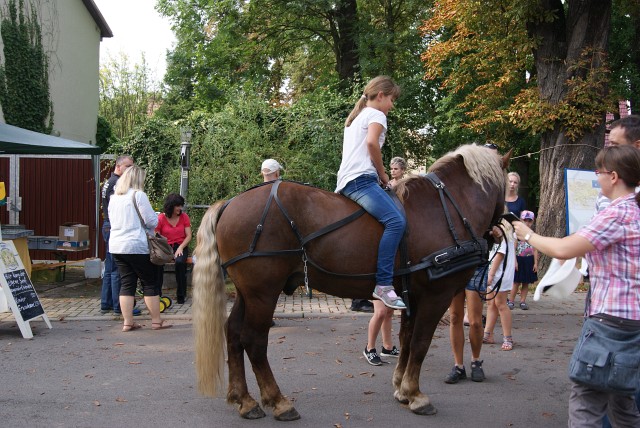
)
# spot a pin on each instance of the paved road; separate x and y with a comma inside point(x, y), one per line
point(86, 373)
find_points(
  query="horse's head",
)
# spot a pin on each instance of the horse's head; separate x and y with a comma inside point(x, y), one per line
point(487, 172)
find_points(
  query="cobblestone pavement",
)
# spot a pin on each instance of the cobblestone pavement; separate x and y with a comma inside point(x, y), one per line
point(77, 298)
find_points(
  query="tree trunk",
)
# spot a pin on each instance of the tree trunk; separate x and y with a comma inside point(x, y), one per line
point(563, 41)
point(345, 36)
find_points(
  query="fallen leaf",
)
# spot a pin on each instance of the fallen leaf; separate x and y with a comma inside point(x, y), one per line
point(121, 400)
point(337, 425)
point(96, 403)
point(89, 376)
point(338, 361)
point(135, 362)
point(288, 358)
point(369, 392)
point(118, 344)
point(350, 376)
point(548, 414)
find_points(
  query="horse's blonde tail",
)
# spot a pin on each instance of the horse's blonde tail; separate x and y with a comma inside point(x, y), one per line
point(210, 306)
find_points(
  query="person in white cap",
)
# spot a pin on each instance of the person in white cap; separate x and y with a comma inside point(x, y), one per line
point(270, 170)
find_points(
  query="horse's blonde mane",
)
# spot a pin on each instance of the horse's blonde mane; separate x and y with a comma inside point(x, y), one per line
point(483, 165)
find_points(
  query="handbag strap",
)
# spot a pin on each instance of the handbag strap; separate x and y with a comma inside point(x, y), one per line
point(135, 204)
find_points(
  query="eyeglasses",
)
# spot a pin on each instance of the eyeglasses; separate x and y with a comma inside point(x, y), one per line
point(598, 172)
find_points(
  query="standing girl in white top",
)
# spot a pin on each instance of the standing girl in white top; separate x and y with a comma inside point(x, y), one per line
point(362, 172)
point(497, 300)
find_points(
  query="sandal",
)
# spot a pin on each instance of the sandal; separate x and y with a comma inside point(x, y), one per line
point(160, 325)
point(488, 338)
point(129, 327)
point(507, 344)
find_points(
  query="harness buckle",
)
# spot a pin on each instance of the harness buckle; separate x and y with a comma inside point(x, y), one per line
point(441, 258)
point(439, 185)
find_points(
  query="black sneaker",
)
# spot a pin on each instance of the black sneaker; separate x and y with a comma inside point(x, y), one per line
point(393, 352)
point(372, 357)
point(477, 374)
point(456, 375)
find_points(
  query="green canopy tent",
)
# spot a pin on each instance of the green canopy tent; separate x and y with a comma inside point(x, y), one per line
point(19, 141)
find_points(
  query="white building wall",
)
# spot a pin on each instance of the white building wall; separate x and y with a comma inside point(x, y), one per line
point(74, 79)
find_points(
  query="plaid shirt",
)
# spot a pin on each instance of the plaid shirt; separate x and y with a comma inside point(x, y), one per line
point(614, 266)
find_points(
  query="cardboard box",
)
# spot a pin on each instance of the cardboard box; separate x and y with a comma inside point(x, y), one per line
point(73, 244)
point(73, 232)
point(47, 242)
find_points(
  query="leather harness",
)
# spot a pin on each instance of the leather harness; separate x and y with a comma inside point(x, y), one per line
point(463, 255)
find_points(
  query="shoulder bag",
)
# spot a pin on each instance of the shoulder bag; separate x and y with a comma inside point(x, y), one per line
point(160, 252)
point(606, 356)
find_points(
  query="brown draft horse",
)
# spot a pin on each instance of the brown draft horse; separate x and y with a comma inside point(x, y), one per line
point(473, 175)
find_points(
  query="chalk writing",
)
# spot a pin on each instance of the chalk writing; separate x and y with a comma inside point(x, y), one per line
point(24, 294)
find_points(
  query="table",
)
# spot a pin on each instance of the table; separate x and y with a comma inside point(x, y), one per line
point(62, 255)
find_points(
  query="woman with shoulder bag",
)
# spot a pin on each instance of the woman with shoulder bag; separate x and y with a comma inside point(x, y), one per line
point(128, 244)
point(611, 245)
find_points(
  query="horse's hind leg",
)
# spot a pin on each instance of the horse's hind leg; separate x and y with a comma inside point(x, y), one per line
point(255, 338)
point(406, 331)
point(238, 392)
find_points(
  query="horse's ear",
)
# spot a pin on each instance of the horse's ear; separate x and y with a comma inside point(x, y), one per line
point(506, 159)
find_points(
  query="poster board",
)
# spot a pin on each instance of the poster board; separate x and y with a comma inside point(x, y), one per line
point(581, 192)
point(18, 289)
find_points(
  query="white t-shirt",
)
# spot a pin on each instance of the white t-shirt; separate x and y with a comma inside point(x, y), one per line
point(507, 279)
point(127, 235)
point(356, 160)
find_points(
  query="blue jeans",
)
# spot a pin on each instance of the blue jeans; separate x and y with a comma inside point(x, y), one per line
point(110, 296)
point(367, 193)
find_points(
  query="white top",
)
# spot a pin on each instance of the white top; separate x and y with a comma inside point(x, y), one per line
point(127, 235)
point(507, 279)
point(356, 160)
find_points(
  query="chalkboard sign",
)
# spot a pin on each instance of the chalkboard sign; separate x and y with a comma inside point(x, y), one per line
point(18, 290)
point(24, 294)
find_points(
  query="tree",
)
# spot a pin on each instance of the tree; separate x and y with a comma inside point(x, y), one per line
point(127, 94)
point(24, 76)
point(536, 67)
point(625, 62)
point(155, 146)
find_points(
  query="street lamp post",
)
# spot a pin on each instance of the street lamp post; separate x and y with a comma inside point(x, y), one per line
point(185, 151)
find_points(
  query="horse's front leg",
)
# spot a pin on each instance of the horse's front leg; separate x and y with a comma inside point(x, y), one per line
point(255, 337)
point(238, 392)
point(429, 311)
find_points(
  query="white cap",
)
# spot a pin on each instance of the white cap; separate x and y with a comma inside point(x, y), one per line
point(270, 166)
point(560, 281)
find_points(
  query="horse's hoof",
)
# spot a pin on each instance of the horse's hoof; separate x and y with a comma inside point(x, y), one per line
point(401, 398)
point(290, 415)
point(255, 413)
point(426, 410)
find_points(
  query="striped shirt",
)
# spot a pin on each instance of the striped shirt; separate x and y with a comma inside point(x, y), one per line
point(614, 266)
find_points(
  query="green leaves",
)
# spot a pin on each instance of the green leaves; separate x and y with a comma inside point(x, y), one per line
point(24, 76)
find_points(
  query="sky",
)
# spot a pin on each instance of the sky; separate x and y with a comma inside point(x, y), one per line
point(136, 28)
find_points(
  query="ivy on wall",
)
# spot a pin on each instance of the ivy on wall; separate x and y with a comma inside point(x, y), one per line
point(24, 76)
